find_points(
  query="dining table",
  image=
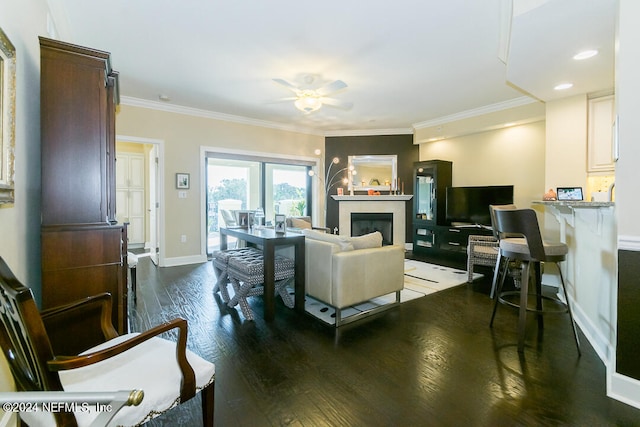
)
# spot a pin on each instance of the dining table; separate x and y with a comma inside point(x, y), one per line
point(268, 239)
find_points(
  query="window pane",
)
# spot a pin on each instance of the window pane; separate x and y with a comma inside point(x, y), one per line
point(231, 185)
point(286, 190)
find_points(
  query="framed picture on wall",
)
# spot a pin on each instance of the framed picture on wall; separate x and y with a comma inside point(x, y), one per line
point(280, 223)
point(7, 118)
point(182, 181)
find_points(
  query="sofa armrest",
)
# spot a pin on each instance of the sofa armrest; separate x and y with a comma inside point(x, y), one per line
point(318, 267)
point(363, 274)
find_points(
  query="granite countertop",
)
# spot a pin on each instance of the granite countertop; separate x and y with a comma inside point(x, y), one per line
point(575, 204)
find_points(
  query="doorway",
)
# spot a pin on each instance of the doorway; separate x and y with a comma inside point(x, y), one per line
point(139, 166)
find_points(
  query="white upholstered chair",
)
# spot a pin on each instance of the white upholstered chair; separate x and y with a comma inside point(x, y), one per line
point(342, 271)
point(75, 348)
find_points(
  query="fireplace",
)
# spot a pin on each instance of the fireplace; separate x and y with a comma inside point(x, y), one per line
point(367, 222)
point(394, 205)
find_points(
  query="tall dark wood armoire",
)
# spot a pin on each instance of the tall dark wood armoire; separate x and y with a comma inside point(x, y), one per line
point(84, 249)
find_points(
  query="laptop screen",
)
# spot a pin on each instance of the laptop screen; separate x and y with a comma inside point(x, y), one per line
point(569, 193)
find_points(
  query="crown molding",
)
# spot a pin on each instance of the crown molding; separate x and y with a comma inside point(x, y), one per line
point(196, 112)
point(369, 132)
point(487, 109)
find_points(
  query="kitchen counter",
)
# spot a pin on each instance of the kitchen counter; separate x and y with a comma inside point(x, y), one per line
point(574, 204)
point(590, 271)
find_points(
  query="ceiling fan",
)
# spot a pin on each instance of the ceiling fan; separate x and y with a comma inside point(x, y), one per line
point(310, 100)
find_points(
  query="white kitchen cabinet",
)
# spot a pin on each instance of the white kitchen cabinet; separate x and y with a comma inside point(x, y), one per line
point(600, 135)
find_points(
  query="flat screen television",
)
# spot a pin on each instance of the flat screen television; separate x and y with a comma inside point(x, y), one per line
point(470, 205)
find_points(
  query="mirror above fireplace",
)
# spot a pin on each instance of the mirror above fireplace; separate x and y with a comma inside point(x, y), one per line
point(373, 172)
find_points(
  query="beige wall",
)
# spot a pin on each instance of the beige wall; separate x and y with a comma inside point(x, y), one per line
point(628, 108)
point(20, 223)
point(22, 21)
point(566, 156)
point(513, 155)
point(183, 137)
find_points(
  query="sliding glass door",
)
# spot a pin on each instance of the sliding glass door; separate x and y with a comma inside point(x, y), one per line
point(236, 182)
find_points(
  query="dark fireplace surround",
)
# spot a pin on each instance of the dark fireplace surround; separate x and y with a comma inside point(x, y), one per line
point(368, 222)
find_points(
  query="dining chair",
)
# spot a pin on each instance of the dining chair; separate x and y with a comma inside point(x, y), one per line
point(33, 342)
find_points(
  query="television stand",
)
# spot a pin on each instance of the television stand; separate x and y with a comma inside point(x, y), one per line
point(448, 241)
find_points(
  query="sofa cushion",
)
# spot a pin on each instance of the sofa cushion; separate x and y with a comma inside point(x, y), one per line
point(343, 242)
point(371, 240)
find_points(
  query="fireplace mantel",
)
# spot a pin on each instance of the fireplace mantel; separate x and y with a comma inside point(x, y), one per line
point(380, 198)
point(389, 203)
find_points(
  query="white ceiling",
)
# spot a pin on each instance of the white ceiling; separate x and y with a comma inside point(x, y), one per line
point(407, 63)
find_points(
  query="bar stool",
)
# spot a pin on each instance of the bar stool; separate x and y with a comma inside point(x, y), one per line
point(505, 265)
point(246, 274)
point(525, 222)
point(220, 263)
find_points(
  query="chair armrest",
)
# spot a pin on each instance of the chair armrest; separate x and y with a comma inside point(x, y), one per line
point(363, 274)
point(188, 386)
point(91, 314)
point(318, 267)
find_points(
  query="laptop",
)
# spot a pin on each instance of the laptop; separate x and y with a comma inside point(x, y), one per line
point(569, 193)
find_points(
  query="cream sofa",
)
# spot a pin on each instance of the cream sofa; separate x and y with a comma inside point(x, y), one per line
point(342, 271)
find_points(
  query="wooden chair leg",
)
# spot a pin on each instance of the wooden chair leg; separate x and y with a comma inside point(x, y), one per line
point(538, 281)
point(208, 401)
point(134, 275)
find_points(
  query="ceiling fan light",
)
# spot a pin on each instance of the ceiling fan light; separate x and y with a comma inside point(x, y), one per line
point(308, 104)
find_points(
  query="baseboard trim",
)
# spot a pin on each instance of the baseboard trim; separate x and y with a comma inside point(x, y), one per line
point(629, 243)
point(597, 340)
point(186, 260)
point(623, 388)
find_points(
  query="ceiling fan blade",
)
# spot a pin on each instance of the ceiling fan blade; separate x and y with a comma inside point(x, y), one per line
point(288, 85)
point(279, 100)
point(331, 88)
point(337, 103)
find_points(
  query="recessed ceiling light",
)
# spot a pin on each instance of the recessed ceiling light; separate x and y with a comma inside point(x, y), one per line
point(563, 86)
point(585, 54)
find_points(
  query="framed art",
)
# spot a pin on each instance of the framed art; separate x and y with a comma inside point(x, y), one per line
point(245, 218)
point(7, 118)
point(280, 223)
point(182, 181)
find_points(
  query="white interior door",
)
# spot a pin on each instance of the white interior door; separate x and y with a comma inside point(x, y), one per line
point(130, 195)
point(153, 204)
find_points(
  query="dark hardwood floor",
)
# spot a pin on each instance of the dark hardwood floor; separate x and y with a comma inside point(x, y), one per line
point(433, 361)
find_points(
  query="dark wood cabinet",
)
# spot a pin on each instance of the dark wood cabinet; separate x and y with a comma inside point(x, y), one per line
point(83, 248)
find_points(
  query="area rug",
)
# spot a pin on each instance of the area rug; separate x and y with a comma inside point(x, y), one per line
point(420, 279)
